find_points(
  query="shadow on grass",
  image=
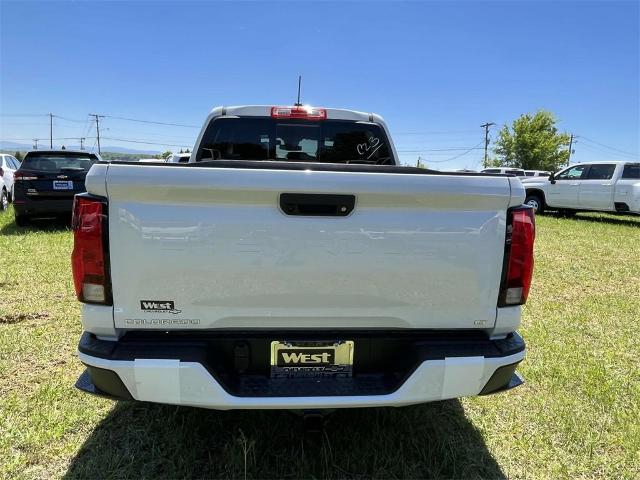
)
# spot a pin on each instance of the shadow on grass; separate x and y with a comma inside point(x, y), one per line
point(57, 224)
point(611, 219)
point(146, 440)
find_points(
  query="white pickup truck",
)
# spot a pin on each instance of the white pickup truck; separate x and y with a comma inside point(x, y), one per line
point(312, 270)
point(597, 186)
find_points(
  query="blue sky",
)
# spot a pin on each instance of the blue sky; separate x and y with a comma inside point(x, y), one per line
point(434, 70)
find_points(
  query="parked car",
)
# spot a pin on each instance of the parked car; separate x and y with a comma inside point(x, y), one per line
point(595, 186)
point(179, 158)
point(315, 271)
point(47, 180)
point(505, 171)
point(8, 165)
point(4, 195)
point(536, 173)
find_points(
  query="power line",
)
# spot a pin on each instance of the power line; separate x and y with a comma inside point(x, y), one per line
point(439, 150)
point(441, 132)
point(600, 150)
point(23, 114)
point(70, 119)
point(609, 147)
point(152, 122)
point(129, 140)
point(464, 153)
point(191, 138)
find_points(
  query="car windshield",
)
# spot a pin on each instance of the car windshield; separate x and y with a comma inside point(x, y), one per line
point(328, 141)
point(54, 162)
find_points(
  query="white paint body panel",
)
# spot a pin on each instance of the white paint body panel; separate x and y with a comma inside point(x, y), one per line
point(189, 384)
point(418, 251)
point(590, 194)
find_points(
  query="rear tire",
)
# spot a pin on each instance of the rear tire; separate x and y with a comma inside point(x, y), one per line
point(4, 200)
point(536, 202)
point(22, 220)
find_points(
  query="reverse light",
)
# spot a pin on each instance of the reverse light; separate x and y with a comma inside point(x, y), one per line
point(299, 111)
point(88, 256)
point(519, 252)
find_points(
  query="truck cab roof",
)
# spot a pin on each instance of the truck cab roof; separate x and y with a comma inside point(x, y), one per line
point(266, 110)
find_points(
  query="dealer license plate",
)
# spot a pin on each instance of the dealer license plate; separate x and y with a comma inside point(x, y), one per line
point(63, 185)
point(298, 359)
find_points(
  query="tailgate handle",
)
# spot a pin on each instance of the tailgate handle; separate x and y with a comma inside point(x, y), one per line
point(317, 204)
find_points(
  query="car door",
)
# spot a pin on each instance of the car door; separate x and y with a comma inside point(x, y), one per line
point(563, 192)
point(596, 188)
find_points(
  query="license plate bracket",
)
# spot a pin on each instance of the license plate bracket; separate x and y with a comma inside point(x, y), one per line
point(63, 184)
point(311, 359)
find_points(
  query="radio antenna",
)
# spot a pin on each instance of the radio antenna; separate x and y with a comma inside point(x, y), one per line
point(298, 104)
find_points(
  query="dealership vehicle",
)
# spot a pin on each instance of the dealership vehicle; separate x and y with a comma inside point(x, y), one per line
point(151, 160)
point(8, 165)
point(313, 271)
point(179, 158)
point(4, 195)
point(595, 186)
point(47, 180)
point(518, 172)
point(536, 173)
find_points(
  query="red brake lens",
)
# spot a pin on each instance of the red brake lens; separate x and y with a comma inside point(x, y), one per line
point(299, 111)
point(88, 259)
point(520, 266)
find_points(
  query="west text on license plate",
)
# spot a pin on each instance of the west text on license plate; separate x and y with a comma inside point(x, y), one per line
point(63, 184)
point(311, 359)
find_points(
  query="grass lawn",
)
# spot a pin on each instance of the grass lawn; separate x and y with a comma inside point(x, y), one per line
point(577, 415)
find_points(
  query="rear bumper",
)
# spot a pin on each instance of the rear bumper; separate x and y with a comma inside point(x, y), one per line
point(42, 206)
point(139, 371)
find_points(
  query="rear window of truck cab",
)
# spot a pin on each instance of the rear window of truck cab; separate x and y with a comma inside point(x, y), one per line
point(294, 140)
point(56, 162)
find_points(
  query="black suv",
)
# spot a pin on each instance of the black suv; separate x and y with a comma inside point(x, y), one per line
point(47, 180)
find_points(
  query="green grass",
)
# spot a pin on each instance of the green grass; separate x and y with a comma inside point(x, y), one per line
point(577, 415)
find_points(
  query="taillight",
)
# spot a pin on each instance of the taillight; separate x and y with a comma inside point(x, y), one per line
point(90, 276)
point(521, 232)
point(20, 176)
point(299, 111)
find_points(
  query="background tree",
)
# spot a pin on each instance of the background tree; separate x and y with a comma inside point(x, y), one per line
point(164, 155)
point(18, 155)
point(531, 143)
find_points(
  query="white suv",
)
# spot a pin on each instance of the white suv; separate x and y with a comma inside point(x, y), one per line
point(8, 165)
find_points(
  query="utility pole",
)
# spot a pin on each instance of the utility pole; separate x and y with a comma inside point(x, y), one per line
point(51, 131)
point(81, 143)
point(35, 143)
point(570, 145)
point(97, 117)
point(486, 140)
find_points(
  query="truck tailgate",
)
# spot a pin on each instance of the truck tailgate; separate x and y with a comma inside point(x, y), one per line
point(201, 248)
